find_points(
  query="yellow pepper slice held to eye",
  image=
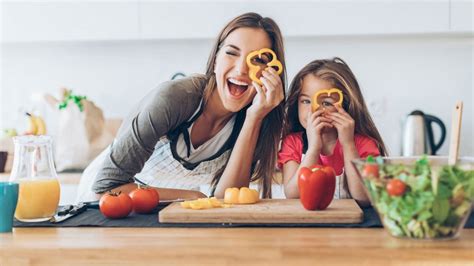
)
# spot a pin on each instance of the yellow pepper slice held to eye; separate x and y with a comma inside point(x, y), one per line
point(333, 96)
point(259, 60)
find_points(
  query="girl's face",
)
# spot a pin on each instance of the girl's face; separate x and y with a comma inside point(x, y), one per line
point(310, 85)
point(234, 86)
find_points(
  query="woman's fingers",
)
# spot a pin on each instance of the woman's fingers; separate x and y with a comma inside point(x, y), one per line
point(274, 93)
point(272, 77)
point(259, 89)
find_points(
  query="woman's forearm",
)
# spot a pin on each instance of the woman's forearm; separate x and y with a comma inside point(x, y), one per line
point(165, 193)
point(237, 172)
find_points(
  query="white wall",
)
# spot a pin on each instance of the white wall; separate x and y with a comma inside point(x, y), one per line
point(397, 73)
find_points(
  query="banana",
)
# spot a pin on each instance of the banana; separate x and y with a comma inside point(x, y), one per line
point(41, 125)
point(32, 127)
point(36, 125)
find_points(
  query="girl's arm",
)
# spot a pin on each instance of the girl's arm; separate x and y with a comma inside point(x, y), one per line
point(165, 193)
point(344, 124)
point(356, 187)
point(237, 172)
point(291, 170)
point(315, 123)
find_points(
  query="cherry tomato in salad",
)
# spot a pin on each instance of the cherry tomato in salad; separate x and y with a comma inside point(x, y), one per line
point(396, 187)
point(371, 170)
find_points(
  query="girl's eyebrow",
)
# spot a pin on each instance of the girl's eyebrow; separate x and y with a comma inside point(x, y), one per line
point(302, 94)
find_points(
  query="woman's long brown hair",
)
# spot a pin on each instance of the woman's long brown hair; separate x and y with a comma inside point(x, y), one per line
point(338, 73)
point(264, 159)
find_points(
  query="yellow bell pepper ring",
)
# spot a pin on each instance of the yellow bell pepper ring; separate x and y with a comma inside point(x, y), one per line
point(328, 97)
point(262, 59)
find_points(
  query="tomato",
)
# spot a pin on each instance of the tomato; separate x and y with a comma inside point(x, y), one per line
point(115, 205)
point(371, 170)
point(317, 186)
point(144, 199)
point(396, 187)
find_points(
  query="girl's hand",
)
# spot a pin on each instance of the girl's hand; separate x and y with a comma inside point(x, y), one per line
point(268, 97)
point(344, 124)
point(315, 123)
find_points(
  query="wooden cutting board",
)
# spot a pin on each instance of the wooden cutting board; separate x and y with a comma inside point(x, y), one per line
point(277, 211)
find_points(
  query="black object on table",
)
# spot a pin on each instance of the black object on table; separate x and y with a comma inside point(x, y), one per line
point(92, 217)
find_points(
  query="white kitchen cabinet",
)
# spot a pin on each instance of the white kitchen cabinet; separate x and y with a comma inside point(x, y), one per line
point(139, 19)
point(69, 21)
point(461, 12)
point(164, 20)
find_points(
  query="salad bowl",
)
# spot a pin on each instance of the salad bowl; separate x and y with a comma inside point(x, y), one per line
point(419, 197)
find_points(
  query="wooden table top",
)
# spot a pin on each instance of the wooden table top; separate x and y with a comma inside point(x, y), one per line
point(224, 246)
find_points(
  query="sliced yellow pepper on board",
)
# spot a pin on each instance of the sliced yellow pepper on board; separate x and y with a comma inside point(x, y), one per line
point(243, 195)
point(262, 59)
point(231, 195)
point(202, 204)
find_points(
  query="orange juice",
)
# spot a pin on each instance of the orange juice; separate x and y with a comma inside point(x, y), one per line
point(38, 199)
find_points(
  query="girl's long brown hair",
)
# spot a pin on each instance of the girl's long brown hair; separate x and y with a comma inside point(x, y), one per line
point(264, 159)
point(337, 72)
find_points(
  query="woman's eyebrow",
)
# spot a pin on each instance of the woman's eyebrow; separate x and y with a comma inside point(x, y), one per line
point(233, 46)
point(304, 95)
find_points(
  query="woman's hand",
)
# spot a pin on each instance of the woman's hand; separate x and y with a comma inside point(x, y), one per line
point(344, 124)
point(315, 123)
point(268, 97)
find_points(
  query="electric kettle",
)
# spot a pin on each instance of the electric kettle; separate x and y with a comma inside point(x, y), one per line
point(418, 138)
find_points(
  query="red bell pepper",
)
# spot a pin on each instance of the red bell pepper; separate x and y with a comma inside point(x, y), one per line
point(316, 185)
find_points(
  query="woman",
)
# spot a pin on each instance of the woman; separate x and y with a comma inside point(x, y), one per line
point(219, 128)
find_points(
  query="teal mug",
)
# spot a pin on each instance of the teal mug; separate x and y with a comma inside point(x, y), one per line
point(8, 200)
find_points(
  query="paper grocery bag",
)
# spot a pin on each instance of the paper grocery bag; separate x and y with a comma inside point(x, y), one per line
point(81, 134)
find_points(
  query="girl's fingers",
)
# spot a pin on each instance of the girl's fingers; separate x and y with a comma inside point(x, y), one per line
point(339, 116)
point(320, 120)
point(338, 120)
point(317, 119)
point(316, 114)
point(323, 125)
point(341, 110)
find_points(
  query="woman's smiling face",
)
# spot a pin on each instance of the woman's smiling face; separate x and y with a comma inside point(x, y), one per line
point(234, 86)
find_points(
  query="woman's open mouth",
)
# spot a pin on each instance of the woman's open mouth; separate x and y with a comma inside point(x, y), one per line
point(236, 87)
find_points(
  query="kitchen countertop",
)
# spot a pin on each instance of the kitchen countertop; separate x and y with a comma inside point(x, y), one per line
point(222, 246)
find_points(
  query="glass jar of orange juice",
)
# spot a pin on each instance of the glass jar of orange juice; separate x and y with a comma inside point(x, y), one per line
point(33, 169)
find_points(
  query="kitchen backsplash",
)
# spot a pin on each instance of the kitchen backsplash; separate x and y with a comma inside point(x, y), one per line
point(398, 74)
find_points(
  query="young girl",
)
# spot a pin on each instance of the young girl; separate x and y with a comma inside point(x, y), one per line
point(218, 129)
point(331, 135)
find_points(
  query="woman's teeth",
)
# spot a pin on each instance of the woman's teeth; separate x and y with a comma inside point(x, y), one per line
point(237, 87)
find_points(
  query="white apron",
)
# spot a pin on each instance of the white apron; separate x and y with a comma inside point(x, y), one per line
point(160, 170)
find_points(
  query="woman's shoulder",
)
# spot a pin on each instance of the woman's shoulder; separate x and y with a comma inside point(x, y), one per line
point(180, 96)
point(188, 86)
